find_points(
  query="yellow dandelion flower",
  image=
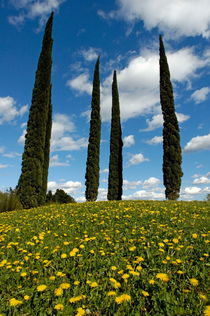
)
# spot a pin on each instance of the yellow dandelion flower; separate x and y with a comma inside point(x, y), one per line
point(80, 311)
point(151, 281)
point(82, 246)
point(194, 281)
point(134, 273)
point(207, 310)
point(113, 268)
point(194, 236)
point(58, 291)
point(145, 293)
point(122, 298)
point(93, 284)
point(77, 298)
point(63, 255)
point(125, 276)
point(111, 293)
point(64, 286)
point(23, 274)
point(175, 241)
point(66, 243)
point(41, 288)
point(76, 282)
point(26, 297)
point(52, 277)
point(14, 302)
point(132, 248)
point(139, 268)
point(202, 296)
point(162, 276)
point(59, 307)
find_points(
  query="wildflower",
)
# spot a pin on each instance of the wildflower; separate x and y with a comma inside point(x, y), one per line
point(76, 282)
point(26, 297)
point(122, 298)
point(207, 310)
point(52, 277)
point(145, 293)
point(132, 248)
point(63, 255)
point(202, 296)
point(80, 311)
point(125, 276)
point(162, 276)
point(194, 236)
point(134, 273)
point(94, 284)
point(113, 268)
point(41, 288)
point(58, 291)
point(194, 282)
point(139, 268)
point(14, 302)
point(111, 293)
point(23, 274)
point(175, 241)
point(64, 286)
point(59, 307)
point(151, 281)
point(77, 298)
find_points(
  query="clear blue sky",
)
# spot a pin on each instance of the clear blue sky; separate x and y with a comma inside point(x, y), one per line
point(125, 34)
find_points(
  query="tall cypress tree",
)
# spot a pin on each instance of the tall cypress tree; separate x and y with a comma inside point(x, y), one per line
point(30, 186)
point(115, 180)
point(172, 157)
point(92, 165)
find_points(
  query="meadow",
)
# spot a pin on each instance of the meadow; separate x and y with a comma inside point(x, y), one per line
point(106, 258)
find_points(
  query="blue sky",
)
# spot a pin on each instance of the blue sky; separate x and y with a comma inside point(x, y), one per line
point(125, 34)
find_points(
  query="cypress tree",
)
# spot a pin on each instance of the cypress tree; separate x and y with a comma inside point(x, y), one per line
point(30, 186)
point(172, 157)
point(92, 164)
point(115, 180)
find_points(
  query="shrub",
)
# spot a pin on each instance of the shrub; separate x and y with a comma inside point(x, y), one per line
point(9, 201)
point(60, 196)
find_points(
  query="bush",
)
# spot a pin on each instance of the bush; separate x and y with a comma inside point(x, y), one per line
point(9, 201)
point(60, 196)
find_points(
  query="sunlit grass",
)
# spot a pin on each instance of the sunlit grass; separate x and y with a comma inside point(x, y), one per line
point(106, 258)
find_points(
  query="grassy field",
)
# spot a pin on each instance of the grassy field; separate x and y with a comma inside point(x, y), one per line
point(106, 258)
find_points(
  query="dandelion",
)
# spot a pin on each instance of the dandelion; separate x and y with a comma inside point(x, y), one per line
point(122, 298)
point(23, 274)
point(132, 248)
point(151, 281)
point(59, 307)
point(76, 282)
point(26, 297)
point(202, 296)
point(58, 291)
point(175, 241)
point(145, 293)
point(52, 277)
point(194, 236)
point(207, 310)
point(162, 276)
point(77, 298)
point(80, 311)
point(194, 281)
point(94, 284)
point(14, 302)
point(63, 255)
point(113, 268)
point(41, 288)
point(64, 286)
point(111, 293)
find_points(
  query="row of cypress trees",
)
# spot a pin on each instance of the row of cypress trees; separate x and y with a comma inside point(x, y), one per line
point(93, 158)
point(32, 184)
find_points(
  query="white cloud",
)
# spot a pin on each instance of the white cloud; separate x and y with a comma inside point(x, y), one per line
point(192, 190)
point(198, 143)
point(30, 9)
point(155, 140)
point(54, 162)
point(104, 170)
point(2, 166)
point(138, 82)
point(12, 155)
point(69, 186)
point(200, 95)
point(130, 185)
point(157, 121)
point(143, 194)
point(90, 54)
point(9, 111)
point(201, 180)
point(81, 83)
point(21, 139)
point(137, 158)
point(128, 141)
point(151, 182)
point(177, 17)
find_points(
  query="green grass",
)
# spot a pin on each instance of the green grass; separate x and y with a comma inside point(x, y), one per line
point(85, 245)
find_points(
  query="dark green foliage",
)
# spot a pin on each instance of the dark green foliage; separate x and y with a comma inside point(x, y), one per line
point(115, 181)
point(208, 197)
point(172, 157)
point(9, 201)
point(60, 196)
point(47, 147)
point(30, 186)
point(92, 165)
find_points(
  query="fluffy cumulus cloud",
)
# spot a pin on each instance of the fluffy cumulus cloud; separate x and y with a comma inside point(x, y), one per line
point(192, 190)
point(157, 121)
point(130, 185)
point(30, 9)
point(55, 162)
point(177, 17)
point(90, 54)
point(151, 182)
point(200, 95)
point(128, 141)
point(137, 158)
point(9, 110)
point(198, 143)
point(138, 82)
point(201, 180)
point(69, 186)
point(155, 140)
point(145, 195)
